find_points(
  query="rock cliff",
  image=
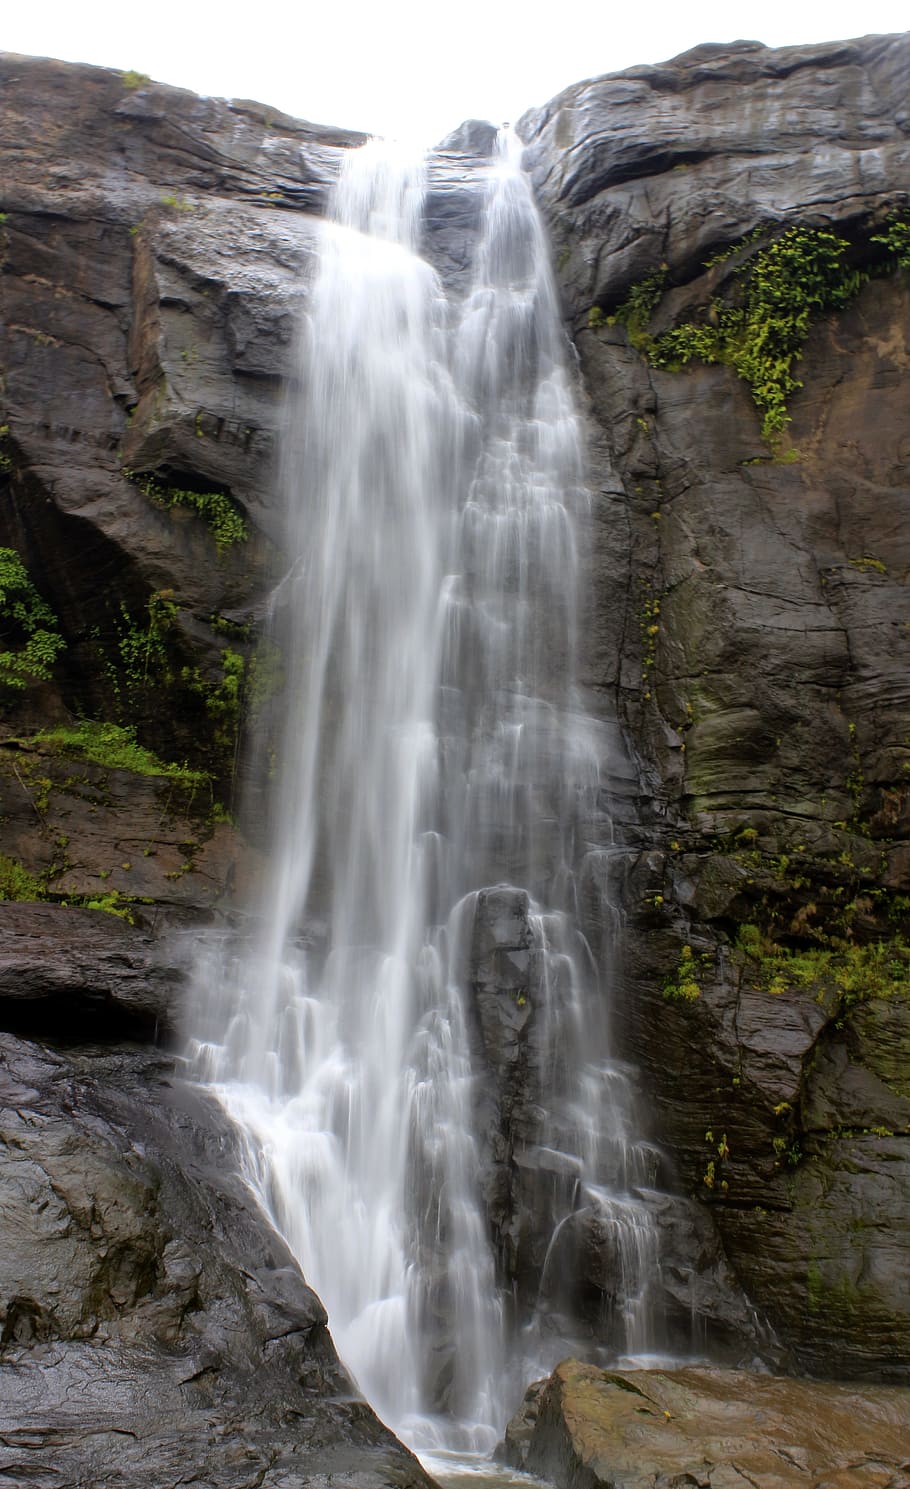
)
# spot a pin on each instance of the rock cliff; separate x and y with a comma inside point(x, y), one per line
point(752, 618)
point(730, 232)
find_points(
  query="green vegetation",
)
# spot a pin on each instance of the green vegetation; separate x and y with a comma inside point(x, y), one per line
point(178, 203)
point(761, 327)
point(852, 971)
point(147, 664)
point(649, 626)
point(896, 238)
point(132, 80)
point(142, 655)
point(112, 903)
point(16, 883)
point(115, 747)
point(788, 284)
point(638, 307)
point(28, 627)
point(683, 986)
point(236, 630)
point(223, 700)
point(711, 1177)
point(6, 463)
point(218, 511)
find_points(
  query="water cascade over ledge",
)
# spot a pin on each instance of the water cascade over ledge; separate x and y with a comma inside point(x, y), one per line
point(436, 781)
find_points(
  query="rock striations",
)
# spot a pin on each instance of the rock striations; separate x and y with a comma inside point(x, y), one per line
point(731, 233)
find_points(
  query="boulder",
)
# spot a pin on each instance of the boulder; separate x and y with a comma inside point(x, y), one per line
point(153, 1326)
point(586, 1428)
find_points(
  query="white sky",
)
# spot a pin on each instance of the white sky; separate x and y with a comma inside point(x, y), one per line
point(409, 66)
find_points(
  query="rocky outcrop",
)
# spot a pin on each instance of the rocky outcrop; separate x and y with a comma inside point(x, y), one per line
point(672, 164)
point(585, 1428)
point(751, 622)
point(747, 629)
point(151, 279)
point(66, 968)
point(154, 1327)
point(153, 249)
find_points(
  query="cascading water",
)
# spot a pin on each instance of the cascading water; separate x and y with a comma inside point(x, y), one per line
point(435, 776)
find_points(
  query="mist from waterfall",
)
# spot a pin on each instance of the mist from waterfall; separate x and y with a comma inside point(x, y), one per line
point(434, 784)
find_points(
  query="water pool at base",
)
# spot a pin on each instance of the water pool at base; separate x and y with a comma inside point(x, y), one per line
point(470, 1471)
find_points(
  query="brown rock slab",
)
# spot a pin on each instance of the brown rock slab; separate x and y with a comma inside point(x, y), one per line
point(599, 1429)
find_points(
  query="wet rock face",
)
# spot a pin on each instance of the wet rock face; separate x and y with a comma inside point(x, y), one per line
point(142, 353)
point(751, 620)
point(151, 1323)
point(560, 1252)
point(747, 632)
point(673, 163)
point(67, 968)
point(651, 1429)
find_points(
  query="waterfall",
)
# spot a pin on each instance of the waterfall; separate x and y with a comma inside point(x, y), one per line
point(435, 782)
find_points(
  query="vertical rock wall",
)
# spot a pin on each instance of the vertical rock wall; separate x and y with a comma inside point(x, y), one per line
point(753, 633)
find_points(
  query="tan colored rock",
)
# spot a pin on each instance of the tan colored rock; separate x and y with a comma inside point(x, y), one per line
point(649, 1429)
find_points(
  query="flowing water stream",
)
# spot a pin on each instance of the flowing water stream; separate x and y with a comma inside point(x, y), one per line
point(435, 782)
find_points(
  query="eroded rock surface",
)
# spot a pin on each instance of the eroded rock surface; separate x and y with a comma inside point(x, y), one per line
point(592, 1429)
point(154, 1327)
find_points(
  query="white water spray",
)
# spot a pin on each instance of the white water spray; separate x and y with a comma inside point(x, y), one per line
point(434, 746)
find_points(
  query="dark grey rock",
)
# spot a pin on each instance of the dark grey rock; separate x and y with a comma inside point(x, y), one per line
point(70, 968)
point(154, 1328)
point(473, 137)
point(768, 705)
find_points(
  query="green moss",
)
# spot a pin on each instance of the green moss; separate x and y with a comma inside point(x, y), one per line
point(639, 305)
point(112, 904)
point(851, 971)
point(218, 511)
point(115, 747)
point(16, 883)
point(28, 627)
point(787, 285)
point(132, 80)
